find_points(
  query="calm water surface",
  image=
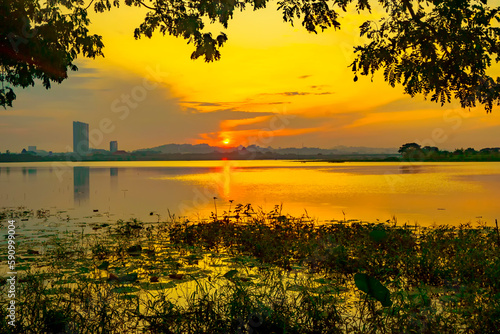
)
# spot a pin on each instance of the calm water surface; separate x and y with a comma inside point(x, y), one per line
point(427, 193)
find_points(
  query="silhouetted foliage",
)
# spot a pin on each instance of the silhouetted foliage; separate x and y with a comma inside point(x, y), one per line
point(414, 152)
point(41, 42)
point(440, 48)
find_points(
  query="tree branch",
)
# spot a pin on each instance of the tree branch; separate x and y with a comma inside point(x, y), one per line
point(417, 19)
point(142, 3)
point(414, 16)
point(90, 4)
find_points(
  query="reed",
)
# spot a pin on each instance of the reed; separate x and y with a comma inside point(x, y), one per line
point(255, 272)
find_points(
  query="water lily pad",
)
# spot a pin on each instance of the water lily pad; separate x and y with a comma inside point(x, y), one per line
point(103, 266)
point(64, 281)
point(176, 276)
point(295, 287)
point(25, 267)
point(57, 291)
point(420, 298)
point(322, 281)
point(128, 297)
point(128, 278)
point(205, 271)
point(134, 249)
point(298, 267)
point(323, 289)
point(448, 299)
point(230, 273)
point(157, 286)
point(125, 289)
point(67, 271)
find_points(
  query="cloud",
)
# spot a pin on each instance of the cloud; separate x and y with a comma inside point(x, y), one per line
point(412, 104)
point(234, 113)
point(297, 93)
point(304, 76)
point(294, 93)
point(233, 123)
point(86, 66)
point(204, 104)
point(86, 72)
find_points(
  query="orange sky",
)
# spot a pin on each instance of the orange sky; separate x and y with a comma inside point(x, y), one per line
point(276, 85)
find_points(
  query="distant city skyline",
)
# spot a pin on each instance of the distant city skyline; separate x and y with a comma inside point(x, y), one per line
point(173, 148)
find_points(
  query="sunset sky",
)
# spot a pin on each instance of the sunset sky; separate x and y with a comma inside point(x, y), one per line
point(275, 85)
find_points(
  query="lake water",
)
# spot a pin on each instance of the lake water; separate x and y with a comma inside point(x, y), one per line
point(427, 193)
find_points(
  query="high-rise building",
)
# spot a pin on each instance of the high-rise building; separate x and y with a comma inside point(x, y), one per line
point(80, 138)
point(113, 146)
point(31, 148)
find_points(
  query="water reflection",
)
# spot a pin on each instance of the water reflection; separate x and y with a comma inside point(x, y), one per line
point(113, 178)
point(29, 171)
point(411, 169)
point(361, 190)
point(81, 186)
point(225, 181)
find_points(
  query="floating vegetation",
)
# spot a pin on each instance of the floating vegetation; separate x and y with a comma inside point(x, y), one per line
point(256, 272)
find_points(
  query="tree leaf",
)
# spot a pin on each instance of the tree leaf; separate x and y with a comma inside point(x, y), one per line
point(378, 235)
point(372, 287)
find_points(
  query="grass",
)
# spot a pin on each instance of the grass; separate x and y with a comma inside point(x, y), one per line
point(248, 272)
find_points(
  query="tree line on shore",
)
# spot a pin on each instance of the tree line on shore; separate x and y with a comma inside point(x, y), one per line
point(416, 152)
point(408, 152)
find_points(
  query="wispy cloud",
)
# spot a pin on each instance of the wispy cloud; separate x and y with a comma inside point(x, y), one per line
point(233, 123)
point(295, 93)
point(204, 104)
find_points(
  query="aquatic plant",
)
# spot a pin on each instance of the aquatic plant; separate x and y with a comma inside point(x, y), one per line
point(261, 272)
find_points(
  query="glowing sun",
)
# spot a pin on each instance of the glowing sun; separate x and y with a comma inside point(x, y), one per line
point(226, 141)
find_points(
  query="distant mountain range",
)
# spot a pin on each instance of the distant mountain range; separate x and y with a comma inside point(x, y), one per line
point(206, 149)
